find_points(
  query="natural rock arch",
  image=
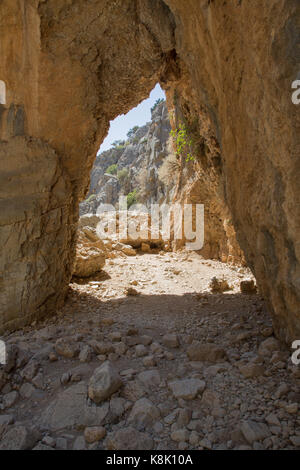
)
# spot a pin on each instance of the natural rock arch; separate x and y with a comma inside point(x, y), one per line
point(73, 66)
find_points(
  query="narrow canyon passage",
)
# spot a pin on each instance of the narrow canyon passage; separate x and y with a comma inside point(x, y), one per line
point(69, 68)
point(197, 369)
point(115, 342)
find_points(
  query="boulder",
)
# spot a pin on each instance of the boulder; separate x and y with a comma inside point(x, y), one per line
point(268, 347)
point(251, 370)
point(90, 253)
point(253, 431)
point(94, 434)
point(219, 285)
point(150, 378)
point(205, 352)
point(70, 410)
point(104, 382)
point(248, 286)
point(187, 389)
point(67, 347)
point(144, 413)
point(129, 439)
point(19, 438)
point(171, 340)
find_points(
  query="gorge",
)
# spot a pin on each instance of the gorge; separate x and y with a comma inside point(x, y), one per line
point(68, 68)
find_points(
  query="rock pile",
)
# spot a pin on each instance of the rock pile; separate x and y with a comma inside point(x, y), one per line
point(159, 371)
point(94, 246)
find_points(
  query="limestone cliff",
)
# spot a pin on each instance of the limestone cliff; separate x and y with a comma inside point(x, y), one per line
point(142, 165)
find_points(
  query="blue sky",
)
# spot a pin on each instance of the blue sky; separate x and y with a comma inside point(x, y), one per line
point(136, 117)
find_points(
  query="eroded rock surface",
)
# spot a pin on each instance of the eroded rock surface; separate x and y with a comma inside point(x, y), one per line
point(138, 164)
point(228, 77)
point(90, 253)
point(170, 399)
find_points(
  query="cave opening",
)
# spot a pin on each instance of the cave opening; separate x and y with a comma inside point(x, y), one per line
point(138, 164)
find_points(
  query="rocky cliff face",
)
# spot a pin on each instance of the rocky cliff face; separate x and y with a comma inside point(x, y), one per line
point(141, 165)
point(71, 67)
point(147, 166)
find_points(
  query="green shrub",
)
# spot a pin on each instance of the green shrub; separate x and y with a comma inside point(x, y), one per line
point(132, 198)
point(132, 131)
point(122, 175)
point(135, 140)
point(112, 169)
point(183, 142)
point(157, 102)
point(91, 198)
point(118, 144)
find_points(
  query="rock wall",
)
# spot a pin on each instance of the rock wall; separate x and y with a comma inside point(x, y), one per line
point(37, 231)
point(199, 178)
point(71, 67)
point(241, 72)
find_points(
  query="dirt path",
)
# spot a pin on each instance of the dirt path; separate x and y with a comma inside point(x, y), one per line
point(197, 370)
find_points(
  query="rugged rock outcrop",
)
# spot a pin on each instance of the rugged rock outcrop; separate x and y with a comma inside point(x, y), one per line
point(35, 221)
point(90, 253)
point(142, 165)
point(147, 166)
point(71, 67)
